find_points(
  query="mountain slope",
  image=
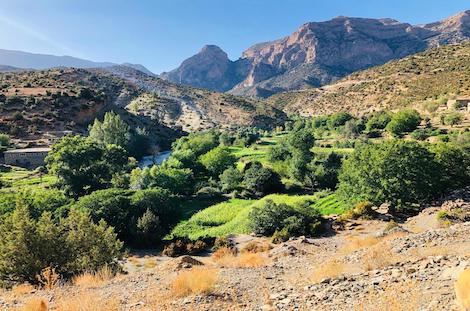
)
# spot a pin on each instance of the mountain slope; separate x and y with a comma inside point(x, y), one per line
point(316, 54)
point(49, 103)
point(438, 72)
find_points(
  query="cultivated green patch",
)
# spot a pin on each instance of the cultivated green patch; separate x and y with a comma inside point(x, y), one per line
point(232, 217)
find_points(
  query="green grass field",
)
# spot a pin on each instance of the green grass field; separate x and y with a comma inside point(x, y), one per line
point(19, 179)
point(259, 151)
point(232, 217)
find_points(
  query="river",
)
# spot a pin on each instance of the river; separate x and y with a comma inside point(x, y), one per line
point(151, 160)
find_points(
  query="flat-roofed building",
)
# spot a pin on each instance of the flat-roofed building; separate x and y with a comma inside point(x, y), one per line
point(28, 157)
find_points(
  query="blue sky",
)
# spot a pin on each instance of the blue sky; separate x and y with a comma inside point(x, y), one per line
point(161, 33)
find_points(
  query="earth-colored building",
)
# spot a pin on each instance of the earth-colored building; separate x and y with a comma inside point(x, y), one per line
point(28, 157)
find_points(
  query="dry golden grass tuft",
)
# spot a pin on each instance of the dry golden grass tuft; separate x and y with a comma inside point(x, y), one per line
point(331, 269)
point(150, 263)
point(198, 280)
point(35, 304)
point(405, 296)
point(378, 257)
point(356, 243)
point(93, 279)
point(227, 258)
point(256, 247)
point(87, 302)
point(22, 289)
point(48, 278)
point(462, 290)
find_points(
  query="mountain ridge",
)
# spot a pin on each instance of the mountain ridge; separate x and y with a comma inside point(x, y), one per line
point(317, 53)
point(22, 60)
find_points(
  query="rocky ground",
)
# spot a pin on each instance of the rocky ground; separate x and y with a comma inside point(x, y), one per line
point(370, 266)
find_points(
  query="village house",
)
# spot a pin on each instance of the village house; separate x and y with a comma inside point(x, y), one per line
point(28, 157)
point(460, 103)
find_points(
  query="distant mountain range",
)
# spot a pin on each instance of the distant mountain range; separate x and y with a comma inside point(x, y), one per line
point(16, 60)
point(316, 54)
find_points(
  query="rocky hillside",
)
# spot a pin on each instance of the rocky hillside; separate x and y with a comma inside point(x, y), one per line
point(442, 72)
point(371, 265)
point(316, 54)
point(46, 104)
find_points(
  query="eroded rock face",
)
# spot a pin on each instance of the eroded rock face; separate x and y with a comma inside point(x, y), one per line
point(316, 54)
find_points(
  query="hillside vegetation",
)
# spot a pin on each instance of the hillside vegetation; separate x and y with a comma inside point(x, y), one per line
point(442, 72)
point(41, 105)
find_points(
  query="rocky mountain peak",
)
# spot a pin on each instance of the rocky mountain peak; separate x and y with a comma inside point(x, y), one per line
point(212, 49)
point(316, 53)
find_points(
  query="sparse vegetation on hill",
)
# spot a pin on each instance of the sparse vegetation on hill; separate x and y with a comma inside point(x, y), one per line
point(409, 82)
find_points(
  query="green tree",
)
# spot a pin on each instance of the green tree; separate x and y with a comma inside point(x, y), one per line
point(83, 166)
point(403, 122)
point(260, 180)
point(4, 142)
point(72, 245)
point(338, 119)
point(396, 172)
point(217, 160)
point(113, 130)
point(272, 217)
point(454, 164)
point(378, 121)
point(231, 179)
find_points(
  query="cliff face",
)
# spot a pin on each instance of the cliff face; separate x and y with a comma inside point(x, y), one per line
point(316, 54)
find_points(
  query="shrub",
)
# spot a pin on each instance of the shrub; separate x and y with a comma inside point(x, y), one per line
point(280, 236)
point(185, 246)
point(420, 134)
point(71, 245)
point(296, 221)
point(452, 118)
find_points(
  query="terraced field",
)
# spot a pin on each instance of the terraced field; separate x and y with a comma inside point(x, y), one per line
point(232, 217)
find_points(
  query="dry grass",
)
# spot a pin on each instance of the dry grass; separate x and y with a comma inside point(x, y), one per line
point(356, 243)
point(256, 247)
point(35, 304)
point(379, 256)
point(225, 257)
point(93, 279)
point(49, 279)
point(87, 302)
point(22, 289)
point(462, 290)
point(331, 269)
point(195, 281)
point(405, 296)
point(150, 263)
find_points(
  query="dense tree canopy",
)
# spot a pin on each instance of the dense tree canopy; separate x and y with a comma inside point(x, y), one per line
point(83, 166)
point(396, 172)
point(404, 121)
